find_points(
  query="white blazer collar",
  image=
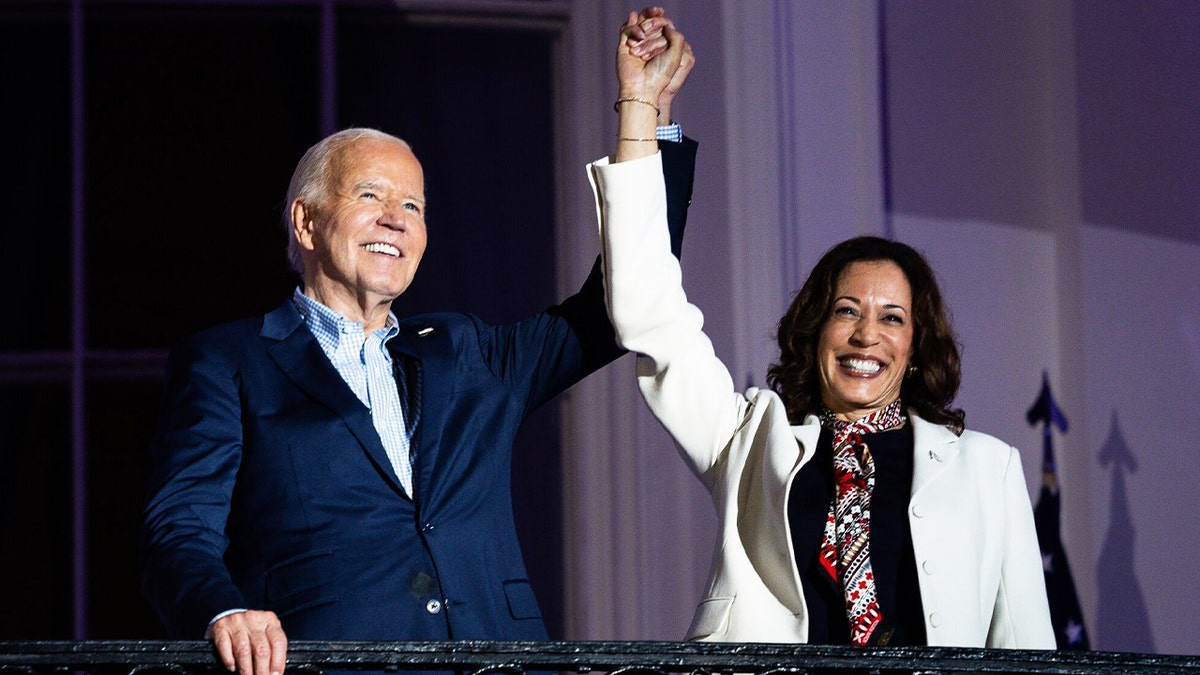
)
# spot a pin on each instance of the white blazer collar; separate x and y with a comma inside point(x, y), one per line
point(807, 434)
point(934, 449)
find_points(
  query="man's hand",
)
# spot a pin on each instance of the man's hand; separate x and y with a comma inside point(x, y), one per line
point(664, 99)
point(250, 642)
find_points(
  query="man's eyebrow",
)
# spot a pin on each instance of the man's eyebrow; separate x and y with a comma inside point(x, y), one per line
point(378, 185)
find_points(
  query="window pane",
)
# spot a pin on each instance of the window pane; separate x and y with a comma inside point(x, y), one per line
point(476, 106)
point(35, 513)
point(195, 117)
point(119, 430)
point(35, 48)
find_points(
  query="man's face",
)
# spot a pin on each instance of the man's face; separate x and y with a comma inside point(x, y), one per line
point(363, 241)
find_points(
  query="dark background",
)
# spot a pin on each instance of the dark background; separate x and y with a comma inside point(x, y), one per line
point(194, 115)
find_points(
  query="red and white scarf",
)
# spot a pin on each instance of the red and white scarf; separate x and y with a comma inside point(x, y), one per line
point(845, 549)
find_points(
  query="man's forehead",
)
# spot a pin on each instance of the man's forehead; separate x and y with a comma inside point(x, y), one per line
point(371, 160)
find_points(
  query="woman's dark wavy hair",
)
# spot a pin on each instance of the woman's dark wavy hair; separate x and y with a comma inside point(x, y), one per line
point(929, 391)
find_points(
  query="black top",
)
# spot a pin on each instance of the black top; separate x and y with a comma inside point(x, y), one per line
point(891, 542)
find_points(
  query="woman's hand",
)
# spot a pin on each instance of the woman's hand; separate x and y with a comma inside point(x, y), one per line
point(649, 67)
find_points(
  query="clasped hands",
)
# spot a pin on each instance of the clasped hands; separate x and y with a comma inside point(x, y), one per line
point(653, 61)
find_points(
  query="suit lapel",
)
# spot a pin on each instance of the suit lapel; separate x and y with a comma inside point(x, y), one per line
point(301, 359)
point(425, 352)
point(934, 449)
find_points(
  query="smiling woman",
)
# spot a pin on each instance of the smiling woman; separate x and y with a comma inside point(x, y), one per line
point(853, 508)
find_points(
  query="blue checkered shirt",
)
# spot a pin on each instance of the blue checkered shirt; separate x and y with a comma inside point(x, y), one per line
point(671, 132)
point(366, 365)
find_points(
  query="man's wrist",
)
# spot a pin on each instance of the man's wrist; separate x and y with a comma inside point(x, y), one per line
point(222, 615)
point(672, 132)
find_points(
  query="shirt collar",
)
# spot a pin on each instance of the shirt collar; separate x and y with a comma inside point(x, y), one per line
point(329, 325)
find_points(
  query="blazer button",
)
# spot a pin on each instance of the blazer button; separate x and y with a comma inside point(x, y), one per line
point(433, 606)
point(918, 511)
point(929, 566)
point(935, 619)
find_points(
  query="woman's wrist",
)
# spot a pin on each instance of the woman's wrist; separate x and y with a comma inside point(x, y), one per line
point(636, 131)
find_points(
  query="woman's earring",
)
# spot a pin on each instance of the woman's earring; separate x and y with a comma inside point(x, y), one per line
point(911, 370)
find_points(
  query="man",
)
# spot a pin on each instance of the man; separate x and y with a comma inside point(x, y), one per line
point(329, 471)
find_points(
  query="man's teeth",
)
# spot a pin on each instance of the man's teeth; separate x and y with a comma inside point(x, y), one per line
point(383, 248)
point(861, 365)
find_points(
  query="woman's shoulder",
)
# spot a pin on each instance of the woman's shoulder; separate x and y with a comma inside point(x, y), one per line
point(765, 408)
point(767, 403)
point(978, 439)
point(977, 444)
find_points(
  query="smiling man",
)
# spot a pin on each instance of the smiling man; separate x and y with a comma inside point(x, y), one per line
point(332, 471)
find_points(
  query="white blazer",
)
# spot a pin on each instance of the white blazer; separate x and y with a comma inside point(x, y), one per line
point(978, 562)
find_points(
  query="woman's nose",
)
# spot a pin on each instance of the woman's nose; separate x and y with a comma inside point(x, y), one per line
point(864, 332)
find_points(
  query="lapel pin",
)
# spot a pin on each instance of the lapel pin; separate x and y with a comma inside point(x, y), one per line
point(425, 331)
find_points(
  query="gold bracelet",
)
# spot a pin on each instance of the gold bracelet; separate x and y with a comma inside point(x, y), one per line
point(634, 99)
point(638, 140)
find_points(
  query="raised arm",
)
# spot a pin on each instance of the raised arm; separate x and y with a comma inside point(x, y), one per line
point(687, 387)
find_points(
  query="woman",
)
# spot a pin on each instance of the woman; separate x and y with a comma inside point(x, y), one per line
point(853, 507)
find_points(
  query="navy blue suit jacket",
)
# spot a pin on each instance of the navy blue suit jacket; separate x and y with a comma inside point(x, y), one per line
point(270, 488)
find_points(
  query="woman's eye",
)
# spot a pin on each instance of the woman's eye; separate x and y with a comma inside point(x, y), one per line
point(894, 318)
point(844, 311)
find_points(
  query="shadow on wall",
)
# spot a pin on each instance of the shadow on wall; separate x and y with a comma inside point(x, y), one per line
point(1124, 624)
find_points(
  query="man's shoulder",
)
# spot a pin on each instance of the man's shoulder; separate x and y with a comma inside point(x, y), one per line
point(453, 323)
point(244, 331)
point(457, 335)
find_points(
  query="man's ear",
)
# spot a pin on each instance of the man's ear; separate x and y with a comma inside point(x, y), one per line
point(302, 223)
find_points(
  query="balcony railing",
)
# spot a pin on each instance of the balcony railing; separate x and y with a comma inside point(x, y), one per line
point(137, 657)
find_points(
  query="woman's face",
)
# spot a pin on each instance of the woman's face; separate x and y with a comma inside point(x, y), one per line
point(865, 345)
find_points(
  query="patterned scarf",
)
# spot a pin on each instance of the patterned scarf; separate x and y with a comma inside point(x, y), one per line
point(845, 549)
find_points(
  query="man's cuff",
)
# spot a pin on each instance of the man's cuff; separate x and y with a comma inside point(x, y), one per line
point(222, 615)
point(672, 132)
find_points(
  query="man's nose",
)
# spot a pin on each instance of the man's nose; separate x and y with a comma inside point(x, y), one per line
point(394, 215)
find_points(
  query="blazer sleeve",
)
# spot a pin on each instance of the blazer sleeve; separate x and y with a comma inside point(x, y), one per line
point(549, 352)
point(687, 387)
point(196, 451)
point(1021, 617)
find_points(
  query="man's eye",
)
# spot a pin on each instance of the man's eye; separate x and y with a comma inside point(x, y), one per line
point(412, 206)
point(369, 195)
